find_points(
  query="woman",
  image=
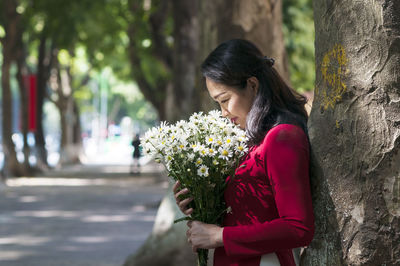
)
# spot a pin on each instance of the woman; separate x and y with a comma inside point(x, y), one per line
point(270, 193)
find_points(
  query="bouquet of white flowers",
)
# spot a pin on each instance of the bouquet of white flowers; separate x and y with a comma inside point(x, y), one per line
point(200, 153)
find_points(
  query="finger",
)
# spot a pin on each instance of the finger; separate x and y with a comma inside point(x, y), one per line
point(182, 192)
point(188, 211)
point(194, 248)
point(176, 186)
point(182, 204)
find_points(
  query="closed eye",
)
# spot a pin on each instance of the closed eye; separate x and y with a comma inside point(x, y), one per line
point(224, 101)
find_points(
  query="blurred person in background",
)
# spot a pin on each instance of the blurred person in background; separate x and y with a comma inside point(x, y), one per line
point(135, 166)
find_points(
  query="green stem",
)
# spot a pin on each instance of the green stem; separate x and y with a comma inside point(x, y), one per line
point(202, 257)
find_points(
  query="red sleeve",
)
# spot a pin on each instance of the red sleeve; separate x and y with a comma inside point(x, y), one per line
point(287, 162)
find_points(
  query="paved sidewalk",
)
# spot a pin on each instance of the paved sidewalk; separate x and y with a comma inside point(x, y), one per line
point(81, 215)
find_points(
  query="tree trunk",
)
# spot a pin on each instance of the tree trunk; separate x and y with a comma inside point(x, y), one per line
point(354, 131)
point(24, 114)
point(155, 94)
point(259, 21)
point(182, 100)
point(70, 147)
point(11, 165)
point(43, 72)
point(21, 72)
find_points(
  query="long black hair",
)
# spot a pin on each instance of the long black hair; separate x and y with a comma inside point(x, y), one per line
point(232, 63)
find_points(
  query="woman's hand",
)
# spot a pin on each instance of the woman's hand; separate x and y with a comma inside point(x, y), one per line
point(201, 235)
point(182, 204)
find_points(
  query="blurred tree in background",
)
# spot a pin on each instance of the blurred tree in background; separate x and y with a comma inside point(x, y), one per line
point(96, 62)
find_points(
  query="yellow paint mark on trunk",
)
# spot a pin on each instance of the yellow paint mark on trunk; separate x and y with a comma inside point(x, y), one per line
point(333, 69)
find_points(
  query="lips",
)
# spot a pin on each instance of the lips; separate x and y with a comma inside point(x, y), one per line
point(234, 120)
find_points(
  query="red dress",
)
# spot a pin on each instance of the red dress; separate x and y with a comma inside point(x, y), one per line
point(270, 200)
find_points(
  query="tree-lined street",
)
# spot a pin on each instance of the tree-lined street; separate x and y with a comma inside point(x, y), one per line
point(81, 215)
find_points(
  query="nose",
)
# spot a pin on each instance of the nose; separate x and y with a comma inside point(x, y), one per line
point(225, 112)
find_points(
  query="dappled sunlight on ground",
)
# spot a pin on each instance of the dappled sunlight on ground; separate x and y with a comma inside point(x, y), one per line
point(106, 219)
point(7, 255)
point(47, 214)
point(38, 181)
point(78, 215)
point(90, 239)
point(24, 240)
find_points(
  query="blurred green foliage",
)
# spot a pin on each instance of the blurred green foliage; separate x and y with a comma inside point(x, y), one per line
point(299, 39)
point(93, 36)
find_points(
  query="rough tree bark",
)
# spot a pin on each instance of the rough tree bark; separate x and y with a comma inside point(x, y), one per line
point(199, 27)
point(355, 134)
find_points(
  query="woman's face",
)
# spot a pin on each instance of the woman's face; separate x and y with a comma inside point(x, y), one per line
point(235, 104)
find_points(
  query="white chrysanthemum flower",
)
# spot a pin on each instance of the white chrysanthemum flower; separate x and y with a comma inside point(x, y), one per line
point(210, 140)
point(199, 161)
point(203, 170)
point(148, 148)
point(172, 137)
point(241, 148)
point(203, 152)
point(181, 124)
point(191, 156)
point(195, 146)
point(168, 158)
point(242, 138)
point(201, 149)
point(162, 145)
point(215, 114)
point(225, 153)
point(218, 142)
point(181, 147)
point(229, 140)
point(215, 162)
point(195, 116)
point(211, 151)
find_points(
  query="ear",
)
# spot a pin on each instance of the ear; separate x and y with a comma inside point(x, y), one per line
point(252, 84)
